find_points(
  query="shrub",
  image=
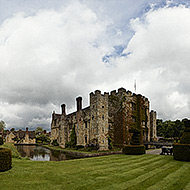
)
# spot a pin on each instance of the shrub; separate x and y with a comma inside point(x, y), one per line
point(14, 151)
point(185, 139)
point(134, 149)
point(55, 143)
point(73, 139)
point(1, 140)
point(181, 152)
point(135, 140)
point(92, 146)
point(5, 159)
point(110, 144)
point(79, 147)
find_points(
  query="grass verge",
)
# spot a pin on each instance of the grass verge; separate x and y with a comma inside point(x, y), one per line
point(152, 172)
point(14, 151)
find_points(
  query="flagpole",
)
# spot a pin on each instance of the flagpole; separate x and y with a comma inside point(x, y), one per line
point(135, 85)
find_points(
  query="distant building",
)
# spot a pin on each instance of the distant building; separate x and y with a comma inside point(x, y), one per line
point(21, 137)
point(109, 115)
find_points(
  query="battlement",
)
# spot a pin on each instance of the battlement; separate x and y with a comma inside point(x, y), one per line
point(98, 93)
point(118, 92)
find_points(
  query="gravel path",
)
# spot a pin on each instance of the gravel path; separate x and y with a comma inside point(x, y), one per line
point(154, 151)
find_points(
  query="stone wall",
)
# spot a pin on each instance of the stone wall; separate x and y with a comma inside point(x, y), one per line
point(153, 132)
point(127, 111)
point(109, 115)
point(99, 118)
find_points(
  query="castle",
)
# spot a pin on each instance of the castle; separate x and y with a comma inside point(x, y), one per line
point(109, 116)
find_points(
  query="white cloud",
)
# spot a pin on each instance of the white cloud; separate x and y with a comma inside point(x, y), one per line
point(160, 55)
point(50, 57)
point(56, 55)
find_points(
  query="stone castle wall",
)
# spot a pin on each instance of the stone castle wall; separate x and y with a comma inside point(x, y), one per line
point(109, 115)
point(153, 131)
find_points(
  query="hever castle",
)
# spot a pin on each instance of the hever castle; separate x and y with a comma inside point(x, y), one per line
point(109, 116)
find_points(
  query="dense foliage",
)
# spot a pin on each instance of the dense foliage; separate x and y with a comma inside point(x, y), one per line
point(73, 139)
point(170, 129)
point(185, 139)
point(110, 143)
point(55, 143)
point(42, 139)
point(135, 140)
point(14, 151)
point(1, 140)
point(2, 125)
point(5, 159)
point(38, 130)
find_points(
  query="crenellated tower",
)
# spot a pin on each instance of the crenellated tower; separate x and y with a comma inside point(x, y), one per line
point(99, 118)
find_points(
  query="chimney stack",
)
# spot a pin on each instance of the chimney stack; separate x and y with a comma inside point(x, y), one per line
point(79, 103)
point(63, 109)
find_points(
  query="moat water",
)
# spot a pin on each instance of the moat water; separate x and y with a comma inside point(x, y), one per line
point(39, 153)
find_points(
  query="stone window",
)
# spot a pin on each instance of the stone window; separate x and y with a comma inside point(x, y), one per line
point(92, 117)
point(134, 119)
point(85, 139)
point(109, 127)
point(86, 124)
point(134, 106)
point(102, 106)
point(103, 117)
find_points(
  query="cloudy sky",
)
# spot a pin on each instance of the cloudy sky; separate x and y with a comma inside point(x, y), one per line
point(52, 51)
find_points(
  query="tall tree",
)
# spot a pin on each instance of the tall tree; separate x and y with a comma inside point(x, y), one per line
point(38, 131)
point(2, 125)
point(13, 129)
point(170, 128)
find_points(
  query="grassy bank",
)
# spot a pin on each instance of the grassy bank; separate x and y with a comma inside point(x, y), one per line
point(14, 151)
point(152, 172)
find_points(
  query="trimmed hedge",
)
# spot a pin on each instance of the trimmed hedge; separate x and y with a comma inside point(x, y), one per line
point(134, 149)
point(185, 139)
point(181, 152)
point(5, 159)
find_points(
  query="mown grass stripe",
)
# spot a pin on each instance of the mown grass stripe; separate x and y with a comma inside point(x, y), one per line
point(132, 184)
point(122, 175)
point(124, 165)
point(175, 180)
point(187, 187)
point(111, 172)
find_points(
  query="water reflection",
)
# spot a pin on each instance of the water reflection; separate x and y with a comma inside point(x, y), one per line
point(39, 153)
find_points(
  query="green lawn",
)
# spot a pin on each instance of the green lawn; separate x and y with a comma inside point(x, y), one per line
point(108, 172)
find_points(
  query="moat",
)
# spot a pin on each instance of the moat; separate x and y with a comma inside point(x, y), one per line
point(39, 153)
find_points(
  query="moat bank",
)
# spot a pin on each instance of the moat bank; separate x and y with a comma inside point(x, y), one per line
point(51, 153)
point(80, 154)
point(40, 153)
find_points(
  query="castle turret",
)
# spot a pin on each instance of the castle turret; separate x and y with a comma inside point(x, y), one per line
point(63, 109)
point(99, 118)
point(153, 134)
point(79, 103)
